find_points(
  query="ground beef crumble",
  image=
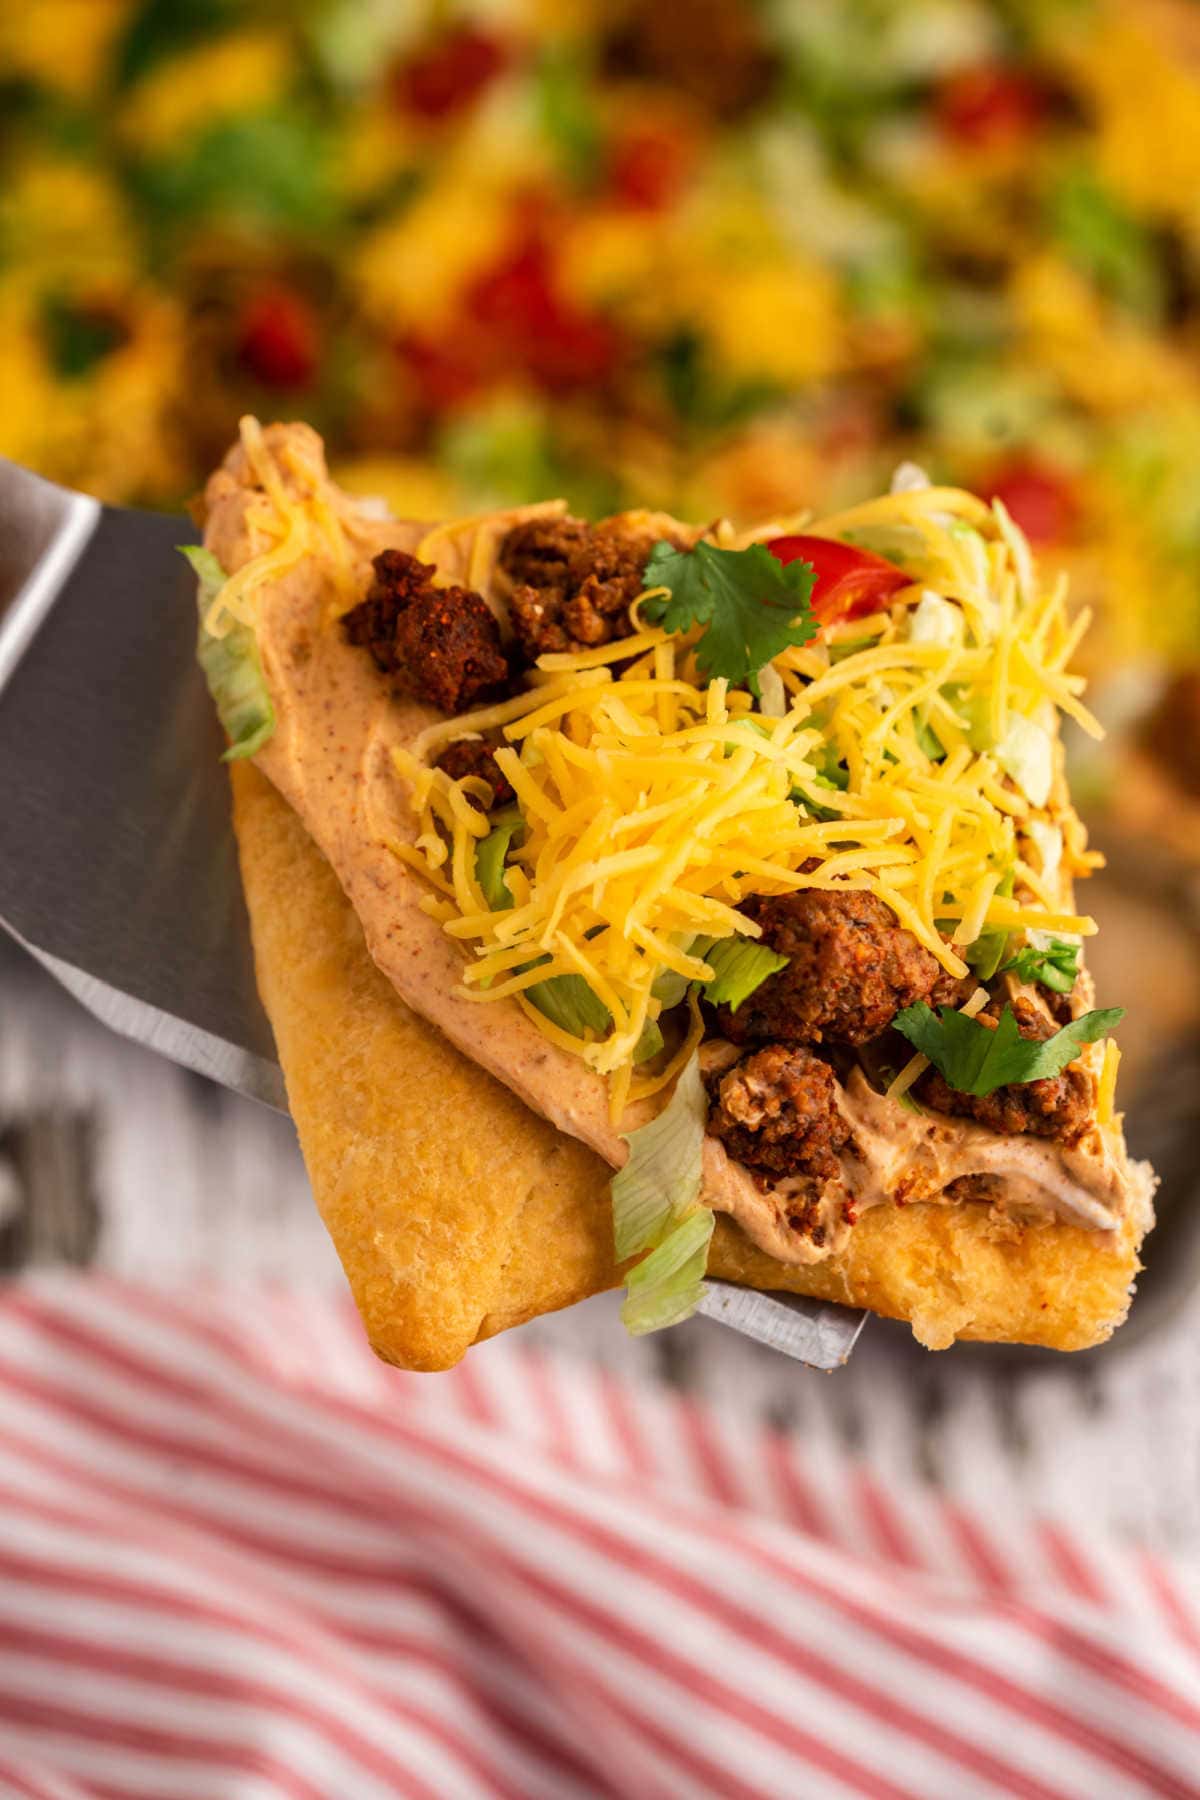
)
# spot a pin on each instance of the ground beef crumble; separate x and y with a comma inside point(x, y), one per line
point(851, 969)
point(1060, 1106)
point(440, 643)
point(776, 1112)
point(572, 583)
point(472, 756)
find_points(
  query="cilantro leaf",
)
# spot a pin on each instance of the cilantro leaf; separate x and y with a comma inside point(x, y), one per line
point(1055, 964)
point(977, 1060)
point(751, 605)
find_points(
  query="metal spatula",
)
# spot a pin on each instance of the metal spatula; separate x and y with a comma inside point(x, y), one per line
point(118, 869)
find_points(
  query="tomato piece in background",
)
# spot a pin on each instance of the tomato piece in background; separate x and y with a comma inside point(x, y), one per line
point(849, 583)
point(518, 309)
point(649, 165)
point(1043, 500)
point(278, 339)
point(449, 74)
point(442, 373)
point(990, 107)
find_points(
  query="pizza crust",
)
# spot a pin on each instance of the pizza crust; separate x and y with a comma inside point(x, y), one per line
point(458, 1213)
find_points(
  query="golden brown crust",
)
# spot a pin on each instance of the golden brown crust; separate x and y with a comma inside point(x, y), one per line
point(440, 1190)
point(956, 1271)
point(458, 1213)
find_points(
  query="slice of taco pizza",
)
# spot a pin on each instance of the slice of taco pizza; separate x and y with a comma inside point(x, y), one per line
point(633, 901)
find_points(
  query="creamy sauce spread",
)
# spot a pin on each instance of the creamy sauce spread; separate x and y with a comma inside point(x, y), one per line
point(330, 758)
point(901, 1157)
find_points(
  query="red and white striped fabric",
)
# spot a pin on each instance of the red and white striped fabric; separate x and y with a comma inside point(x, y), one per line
point(240, 1559)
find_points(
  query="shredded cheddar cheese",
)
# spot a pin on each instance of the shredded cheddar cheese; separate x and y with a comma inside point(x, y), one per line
point(653, 805)
point(1106, 1089)
point(917, 759)
point(484, 532)
point(300, 511)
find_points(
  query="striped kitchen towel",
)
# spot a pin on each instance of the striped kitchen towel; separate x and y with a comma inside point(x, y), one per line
point(240, 1558)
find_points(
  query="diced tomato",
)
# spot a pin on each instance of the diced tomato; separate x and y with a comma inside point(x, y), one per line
point(278, 338)
point(849, 583)
point(517, 292)
point(990, 107)
point(648, 167)
point(444, 375)
point(449, 74)
point(518, 305)
point(1042, 499)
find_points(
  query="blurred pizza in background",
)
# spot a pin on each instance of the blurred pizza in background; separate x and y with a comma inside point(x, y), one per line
point(718, 257)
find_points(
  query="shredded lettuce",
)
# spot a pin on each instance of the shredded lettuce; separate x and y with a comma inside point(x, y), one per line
point(1047, 840)
point(773, 701)
point(807, 798)
point(490, 855)
point(669, 988)
point(909, 478)
point(656, 1208)
point(650, 1042)
point(668, 1285)
point(739, 966)
point(568, 1002)
point(833, 771)
point(1026, 752)
point(661, 1179)
point(231, 666)
point(844, 647)
point(929, 742)
point(834, 777)
point(987, 952)
point(935, 620)
point(567, 111)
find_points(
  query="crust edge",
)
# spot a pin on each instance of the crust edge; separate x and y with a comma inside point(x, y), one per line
point(449, 1238)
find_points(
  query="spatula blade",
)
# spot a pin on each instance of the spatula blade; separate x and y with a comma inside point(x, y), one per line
point(118, 865)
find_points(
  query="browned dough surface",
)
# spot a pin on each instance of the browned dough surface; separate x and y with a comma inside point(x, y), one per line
point(457, 1212)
